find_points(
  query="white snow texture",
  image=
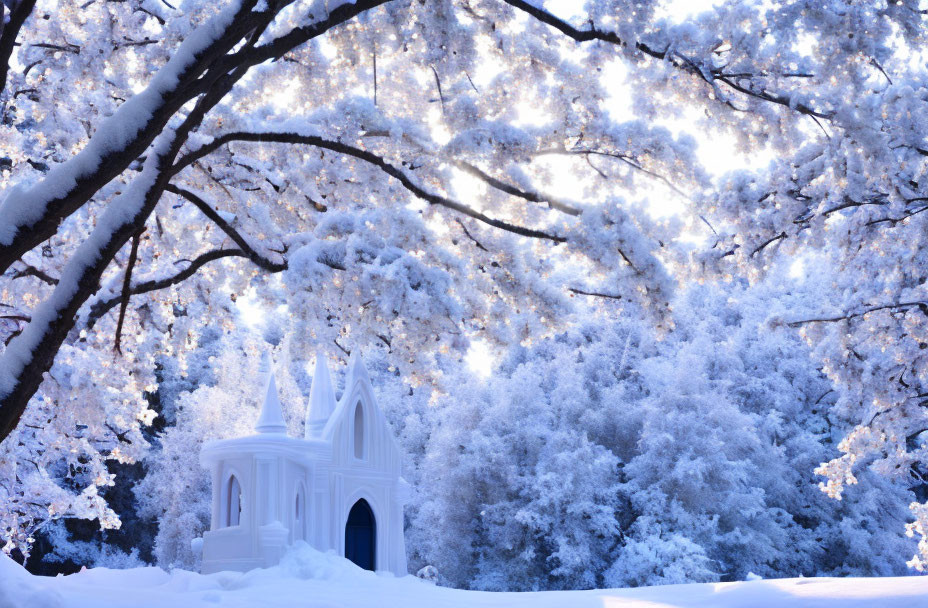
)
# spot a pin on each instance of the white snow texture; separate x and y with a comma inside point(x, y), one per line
point(307, 577)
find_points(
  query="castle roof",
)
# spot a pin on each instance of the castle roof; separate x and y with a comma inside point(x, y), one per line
point(271, 419)
point(321, 399)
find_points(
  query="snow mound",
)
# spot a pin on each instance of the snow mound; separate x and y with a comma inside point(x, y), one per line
point(304, 562)
point(19, 588)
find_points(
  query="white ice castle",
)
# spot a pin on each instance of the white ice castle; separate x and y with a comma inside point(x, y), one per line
point(338, 488)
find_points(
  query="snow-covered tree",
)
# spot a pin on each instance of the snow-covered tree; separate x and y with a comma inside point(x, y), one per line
point(606, 457)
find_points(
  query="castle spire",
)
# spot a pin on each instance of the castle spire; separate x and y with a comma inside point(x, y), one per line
point(356, 370)
point(321, 399)
point(272, 417)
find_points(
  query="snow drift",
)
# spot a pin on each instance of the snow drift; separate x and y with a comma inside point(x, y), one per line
point(310, 578)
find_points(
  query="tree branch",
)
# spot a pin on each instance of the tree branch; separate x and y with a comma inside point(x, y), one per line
point(676, 59)
point(767, 243)
point(109, 153)
point(441, 96)
point(895, 220)
point(534, 197)
point(594, 294)
point(280, 46)
point(126, 282)
point(921, 304)
point(10, 30)
point(35, 215)
point(24, 362)
point(634, 164)
point(29, 270)
point(101, 307)
point(112, 154)
point(471, 237)
point(368, 157)
point(244, 244)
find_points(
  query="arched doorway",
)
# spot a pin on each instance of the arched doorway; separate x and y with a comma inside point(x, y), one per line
point(360, 534)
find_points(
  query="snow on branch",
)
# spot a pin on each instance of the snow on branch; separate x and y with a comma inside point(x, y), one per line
point(29, 355)
point(741, 82)
point(30, 216)
point(202, 64)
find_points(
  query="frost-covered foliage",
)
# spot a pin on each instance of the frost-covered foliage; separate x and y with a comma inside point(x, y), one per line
point(414, 175)
point(603, 457)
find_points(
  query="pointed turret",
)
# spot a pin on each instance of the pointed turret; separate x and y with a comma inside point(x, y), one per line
point(272, 416)
point(356, 371)
point(321, 399)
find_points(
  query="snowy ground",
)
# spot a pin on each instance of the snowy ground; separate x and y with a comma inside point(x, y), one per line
point(309, 578)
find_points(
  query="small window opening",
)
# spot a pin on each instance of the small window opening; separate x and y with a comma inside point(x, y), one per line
point(233, 503)
point(358, 432)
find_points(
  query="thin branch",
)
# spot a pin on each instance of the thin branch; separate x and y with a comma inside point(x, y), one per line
point(877, 65)
point(594, 294)
point(473, 86)
point(625, 158)
point(850, 204)
point(820, 125)
point(66, 48)
point(29, 270)
point(474, 171)
point(374, 54)
point(502, 186)
point(441, 95)
point(599, 171)
point(156, 17)
point(126, 285)
point(768, 242)
point(101, 307)
point(629, 262)
point(342, 348)
point(386, 341)
point(278, 47)
point(895, 220)
point(706, 222)
point(259, 259)
point(631, 162)
point(471, 237)
point(921, 304)
point(23, 318)
point(130, 43)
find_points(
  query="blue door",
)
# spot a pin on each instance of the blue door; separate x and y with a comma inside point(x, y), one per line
point(360, 533)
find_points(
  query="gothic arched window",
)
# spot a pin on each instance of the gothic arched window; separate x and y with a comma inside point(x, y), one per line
point(232, 499)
